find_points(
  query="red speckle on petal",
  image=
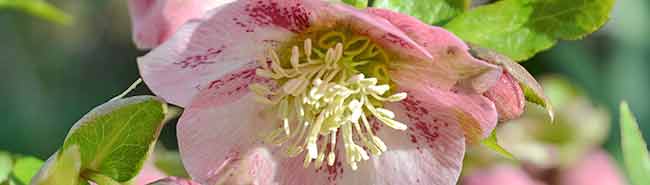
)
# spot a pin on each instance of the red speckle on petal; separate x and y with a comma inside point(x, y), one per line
point(413, 138)
point(396, 40)
point(291, 16)
point(233, 85)
point(375, 124)
point(195, 61)
point(423, 126)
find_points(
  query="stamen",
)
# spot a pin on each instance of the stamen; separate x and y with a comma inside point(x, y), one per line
point(328, 96)
point(332, 155)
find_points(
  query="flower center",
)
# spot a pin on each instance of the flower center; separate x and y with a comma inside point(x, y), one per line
point(335, 86)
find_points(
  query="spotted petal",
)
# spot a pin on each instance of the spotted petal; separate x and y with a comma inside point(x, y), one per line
point(156, 20)
point(435, 161)
point(381, 31)
point(474, 113)
point(451, 63)
point(238, 33)
point(226, 39)
point(429, 153)
point(217, 130)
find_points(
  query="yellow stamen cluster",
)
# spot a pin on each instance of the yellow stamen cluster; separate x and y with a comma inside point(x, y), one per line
point(320, 97)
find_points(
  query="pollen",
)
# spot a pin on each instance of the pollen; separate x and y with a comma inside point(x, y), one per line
point(327, 91)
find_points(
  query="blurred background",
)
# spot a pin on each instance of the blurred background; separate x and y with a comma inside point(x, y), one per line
point(53, 74)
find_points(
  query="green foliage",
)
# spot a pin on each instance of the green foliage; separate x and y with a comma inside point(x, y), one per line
point(434, 12)
point(115, 139)
point(61, 168)
point(25, 168)
point(108, 145)
point(38, 8)
point(100, 179)
point(5, 166)
point(493, 144)
point(635, 152)
point(532, 89)
point(357, 3)
point(522, 28)
point(17, 169)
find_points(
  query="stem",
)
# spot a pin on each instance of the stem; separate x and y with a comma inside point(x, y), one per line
point(128, 90)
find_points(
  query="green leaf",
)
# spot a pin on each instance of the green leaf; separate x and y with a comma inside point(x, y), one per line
point(38, 8)
point(61, 168)
point(532, 89)
point(5, 165)
point(25, 168)
point(430, 11)
point(492, 143)
point(635, 151)
point(115, 138)
point(357, 3)
point(522, 28)
point(100, 179)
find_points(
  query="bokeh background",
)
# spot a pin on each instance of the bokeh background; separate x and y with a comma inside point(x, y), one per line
point(53, 74)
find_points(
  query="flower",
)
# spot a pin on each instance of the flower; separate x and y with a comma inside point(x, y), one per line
point(154, 21)
point(312, 92)
point(567, 140)
point(174, 181)
point(149, 173)
point(595, 168)
point(566, 152)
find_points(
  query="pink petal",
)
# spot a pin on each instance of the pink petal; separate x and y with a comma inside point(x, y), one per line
point(597, 168)
point(156, 20)
point(216, 131)
point(217, 135)
point(451, 63)
point(378, 29)
point(226, 39)
point(507, 97)
point(173, 181)
point(429, 153)
point(149, 173)
point(452, 80)
point(238, 33)
point(499, 175)
point(474, 113)
point(255, 167)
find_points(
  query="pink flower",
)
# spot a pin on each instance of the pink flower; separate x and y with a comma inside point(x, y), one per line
point(156, 20)
point(149, 173)
point(311, 92)
point(596, 168)
point(174, 181)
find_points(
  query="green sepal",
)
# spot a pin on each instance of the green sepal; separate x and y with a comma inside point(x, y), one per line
point(491, 142)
